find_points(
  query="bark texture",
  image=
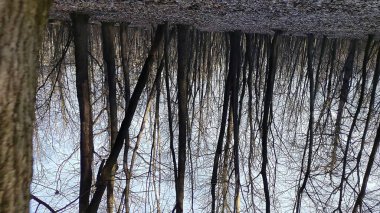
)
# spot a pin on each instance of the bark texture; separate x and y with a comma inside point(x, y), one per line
point(21, 26)
point(80, 28)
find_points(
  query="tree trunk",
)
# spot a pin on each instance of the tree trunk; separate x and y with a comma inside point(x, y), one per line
point(170, 114)
point(80, 28)
point(357, 112)
point(183, 60)
point(347, 75)
point(219, 146)
point(310, 73)
point(156, 137)
point(226, 161)
point(271, 73)
point(127, 95)
point(112, 159)
point(375, 147)
point(22, 23)
point(371, 160)
point(110, 75)
point(251, 49)
point(137, 144)
point(369, 116)
point(235, 61)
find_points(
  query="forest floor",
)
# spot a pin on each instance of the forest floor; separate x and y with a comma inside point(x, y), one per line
point(334, 18)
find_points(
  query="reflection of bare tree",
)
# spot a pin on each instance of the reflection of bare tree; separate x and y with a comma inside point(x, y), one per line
point(267, 122)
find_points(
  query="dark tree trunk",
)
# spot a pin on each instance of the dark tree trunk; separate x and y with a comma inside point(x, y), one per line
point(219, 146)
point(80, 30)
point(322, 53)
point(310, 74)
point(112, 159)
point(375, 81)
point(271, 73)
point(21, 25)
point(357, 112)
point(347, 75)
point(251, 52)
point(127, 94)
point(168, 97)
point(235, 61)
point(375, 147)
point(110, 76)
point(183, 60)
point(226, 161)
point(371, 160)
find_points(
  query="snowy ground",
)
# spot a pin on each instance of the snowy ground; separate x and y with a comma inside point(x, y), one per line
point(338, 18)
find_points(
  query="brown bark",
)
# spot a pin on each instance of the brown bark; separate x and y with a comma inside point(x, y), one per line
point(22, 23)
point(80, 30)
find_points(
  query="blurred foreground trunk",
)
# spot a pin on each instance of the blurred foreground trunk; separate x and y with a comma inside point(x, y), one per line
point(21, 26)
